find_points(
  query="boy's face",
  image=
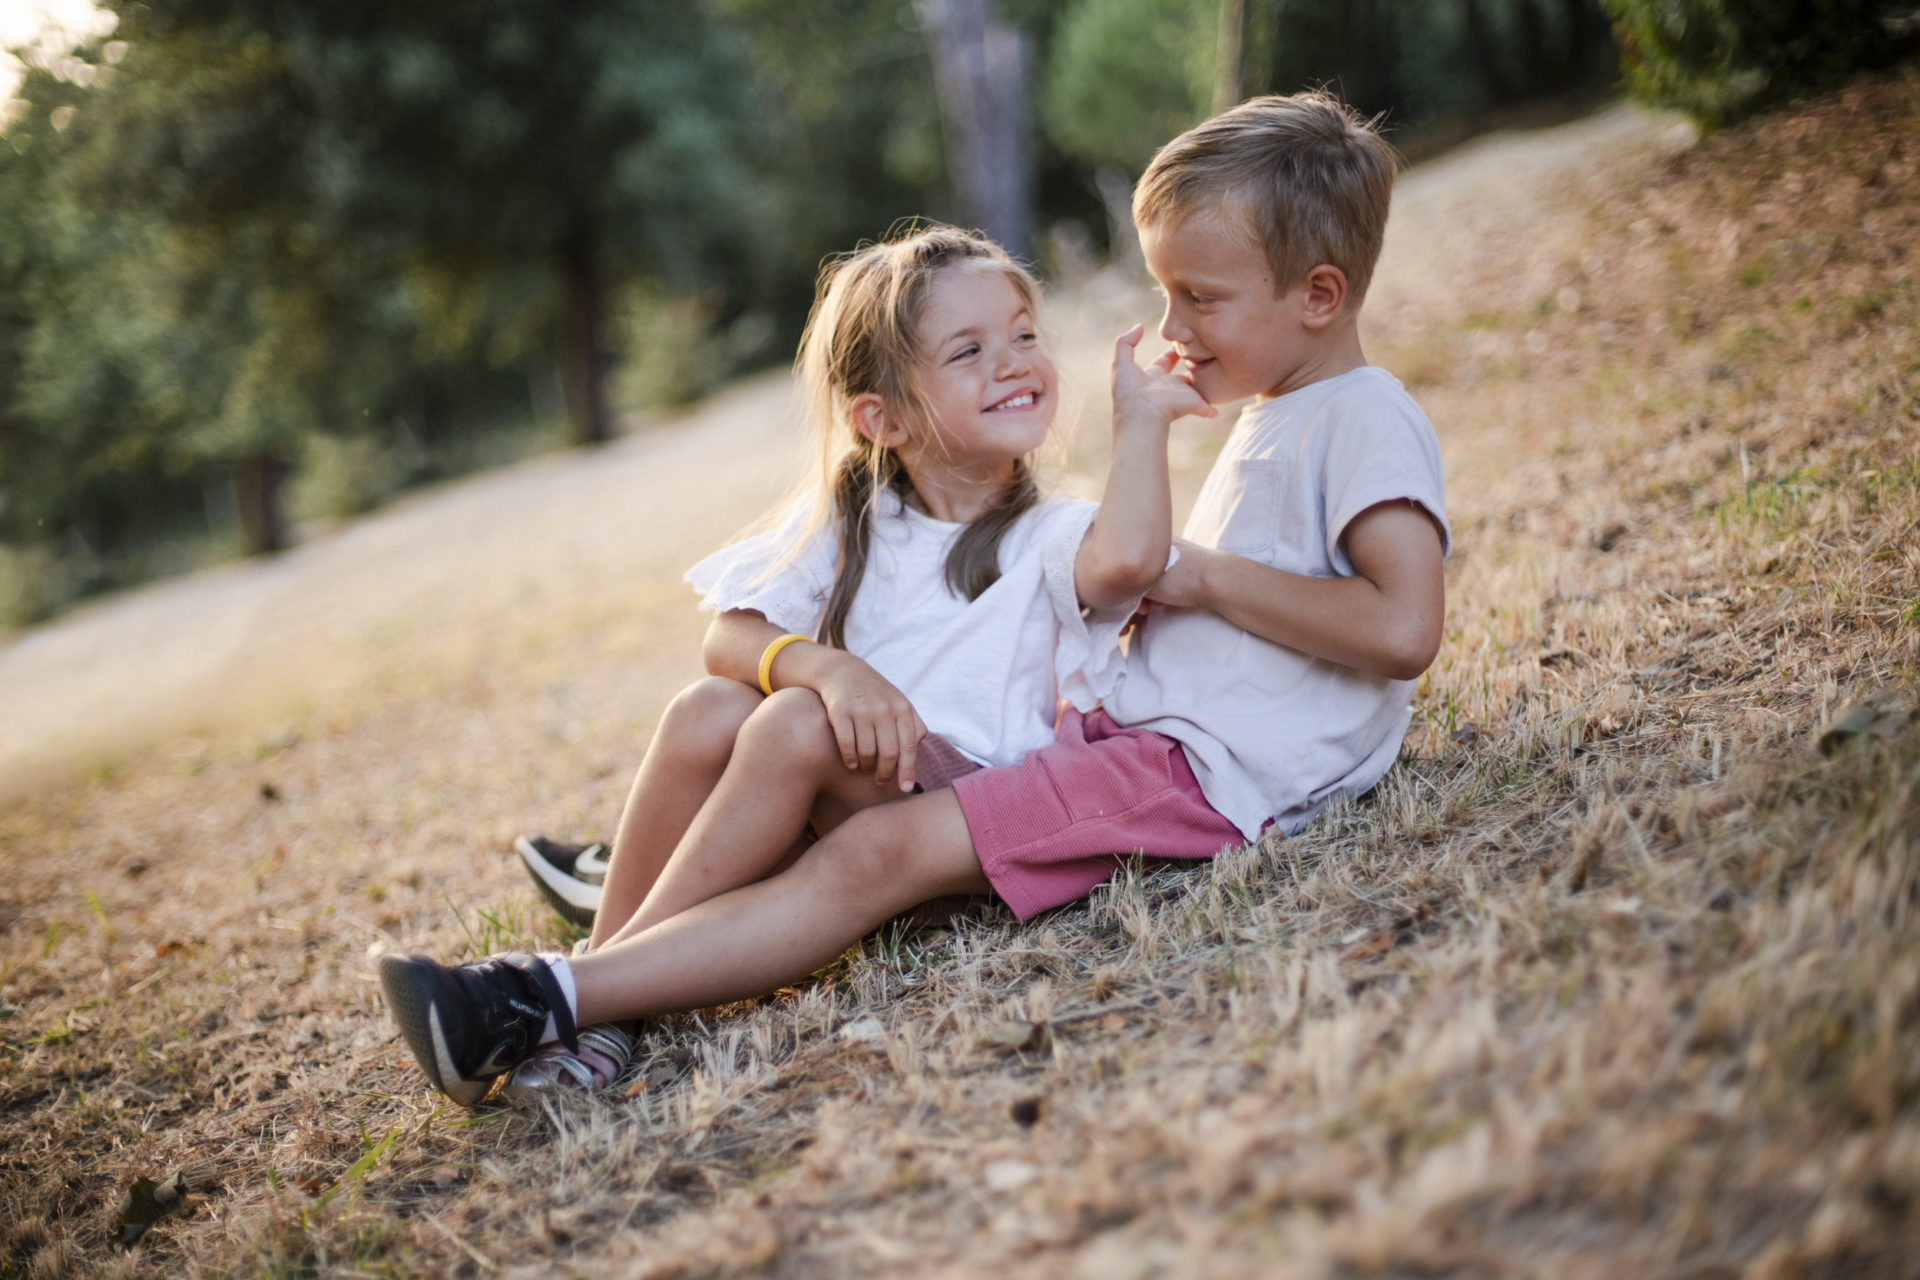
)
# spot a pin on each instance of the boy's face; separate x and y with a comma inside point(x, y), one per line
point(1235, 335)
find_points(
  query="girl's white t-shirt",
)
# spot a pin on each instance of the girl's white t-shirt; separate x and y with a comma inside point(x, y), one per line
point(985, 674)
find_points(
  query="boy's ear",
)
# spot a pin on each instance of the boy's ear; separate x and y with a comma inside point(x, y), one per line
point(1326, 296)
point(871, 419)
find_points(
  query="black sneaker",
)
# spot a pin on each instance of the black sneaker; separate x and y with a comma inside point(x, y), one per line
point(474, 1022)
point(568, 875)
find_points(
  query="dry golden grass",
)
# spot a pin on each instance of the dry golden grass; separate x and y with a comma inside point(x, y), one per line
point(1616, 974)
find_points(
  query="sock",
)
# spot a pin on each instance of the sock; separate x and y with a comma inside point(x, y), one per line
point(563, 974)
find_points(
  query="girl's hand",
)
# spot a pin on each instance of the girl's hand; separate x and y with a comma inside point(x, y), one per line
point(872, 721)
point(1183, 586)
point(1154, 394)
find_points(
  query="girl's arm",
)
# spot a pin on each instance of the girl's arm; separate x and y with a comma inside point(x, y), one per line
point(1385, 620)
point(872, 721)
point(1126, 550)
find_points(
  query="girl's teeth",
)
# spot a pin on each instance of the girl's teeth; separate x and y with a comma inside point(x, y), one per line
point(1018, 402)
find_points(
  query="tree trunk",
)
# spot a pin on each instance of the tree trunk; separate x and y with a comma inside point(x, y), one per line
point(256, 491)
point(1369, 44)
point(582, 362)
point(1123, 238)
point(1484, 47)
point(1537, 74)
point(1584, 25)
point(980, 68)
point(1259, 23)
point(1229, 79)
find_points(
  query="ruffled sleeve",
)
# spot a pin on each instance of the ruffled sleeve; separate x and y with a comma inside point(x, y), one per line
point(757, 573)
point(1086, 659)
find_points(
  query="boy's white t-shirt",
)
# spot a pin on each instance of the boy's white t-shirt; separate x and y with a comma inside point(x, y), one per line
point(1271, 733)
point(985, 674)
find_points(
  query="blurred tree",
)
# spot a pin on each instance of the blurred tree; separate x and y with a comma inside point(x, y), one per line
point(515, 158)
point(1534, 48)
point(36, 464)
point(1126, 75)
point(1719, 61)
point(86, 458)
point(204, 314)
point(1422, 60)
point(851, 133)
point(981, 67)
point(860, 138)
point(271, 221)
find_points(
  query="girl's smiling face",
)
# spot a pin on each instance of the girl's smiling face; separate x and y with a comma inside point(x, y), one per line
point(983, 374)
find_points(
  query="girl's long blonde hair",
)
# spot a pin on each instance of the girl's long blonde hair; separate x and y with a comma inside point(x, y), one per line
point(863, 338)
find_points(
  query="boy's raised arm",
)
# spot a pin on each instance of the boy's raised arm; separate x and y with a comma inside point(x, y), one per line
point(1126, 550)
point(1386, 620)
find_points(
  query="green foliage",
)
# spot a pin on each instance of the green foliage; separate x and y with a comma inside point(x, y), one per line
point(263, 228)
point(341, 476)
point(677, 348)
point(1126, 75)
point(1424, 61)
point(32, 584)
point(849, 136)
point(1721, 60)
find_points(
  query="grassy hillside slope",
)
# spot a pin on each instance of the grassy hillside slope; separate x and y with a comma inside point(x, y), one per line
point(1618, 973)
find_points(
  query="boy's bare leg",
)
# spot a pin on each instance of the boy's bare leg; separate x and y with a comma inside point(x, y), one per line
point(765, 934)
point(684, 762)
point(785, 772)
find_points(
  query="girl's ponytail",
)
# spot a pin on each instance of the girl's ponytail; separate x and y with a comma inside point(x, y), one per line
point(857, 481)
point(973, 564)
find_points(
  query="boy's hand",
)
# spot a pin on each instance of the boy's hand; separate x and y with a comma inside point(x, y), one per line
point(1154, 394)
point(1181, 586)
point(872, 721)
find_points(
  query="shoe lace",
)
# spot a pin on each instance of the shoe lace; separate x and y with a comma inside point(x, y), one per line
point(531, 978)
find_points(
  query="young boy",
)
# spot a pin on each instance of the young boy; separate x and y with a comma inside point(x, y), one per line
point(1272, 673)
point(1274, 669)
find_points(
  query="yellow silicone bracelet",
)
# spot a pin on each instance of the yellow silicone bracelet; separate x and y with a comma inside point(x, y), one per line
point(772, 652)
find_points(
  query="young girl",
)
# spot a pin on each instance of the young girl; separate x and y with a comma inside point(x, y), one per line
point(941, 587)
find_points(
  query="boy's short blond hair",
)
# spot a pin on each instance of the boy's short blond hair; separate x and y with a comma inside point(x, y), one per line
point(1306, 176)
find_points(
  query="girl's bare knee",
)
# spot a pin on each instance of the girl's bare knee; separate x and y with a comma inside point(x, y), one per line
point(856, 858)
point(905, 853)
point(792, 724)
point(704, 719)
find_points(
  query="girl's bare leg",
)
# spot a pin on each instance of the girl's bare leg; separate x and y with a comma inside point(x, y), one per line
point(685, 760)
point(753, 939)
point(785, 772)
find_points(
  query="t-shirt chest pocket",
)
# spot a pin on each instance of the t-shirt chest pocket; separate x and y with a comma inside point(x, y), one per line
point(1239, 510)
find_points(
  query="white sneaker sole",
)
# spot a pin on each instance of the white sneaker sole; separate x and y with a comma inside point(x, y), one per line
point(575, 900)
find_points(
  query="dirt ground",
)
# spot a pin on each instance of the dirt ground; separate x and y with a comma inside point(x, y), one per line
point(1615, 974)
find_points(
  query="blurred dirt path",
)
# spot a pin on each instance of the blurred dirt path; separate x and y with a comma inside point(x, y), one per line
point(450, 570)
point(496, 553)
point(1453, 214)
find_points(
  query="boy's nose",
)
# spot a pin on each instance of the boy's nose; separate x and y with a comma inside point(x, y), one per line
point(1172, 329)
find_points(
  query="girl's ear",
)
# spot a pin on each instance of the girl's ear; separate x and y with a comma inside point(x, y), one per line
point(1326, 296)
point(871, 419)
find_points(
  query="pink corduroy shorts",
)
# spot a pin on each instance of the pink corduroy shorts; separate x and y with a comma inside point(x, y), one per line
point(1047, 830)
